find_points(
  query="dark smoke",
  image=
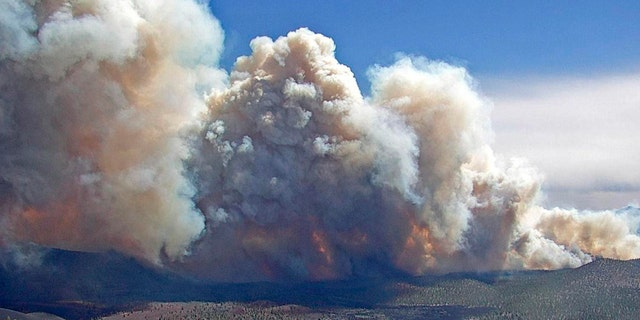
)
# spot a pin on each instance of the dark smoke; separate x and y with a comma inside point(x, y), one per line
point(284, 170)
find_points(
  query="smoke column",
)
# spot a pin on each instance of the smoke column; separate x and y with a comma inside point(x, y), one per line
point(282, 171)
point(95, 99)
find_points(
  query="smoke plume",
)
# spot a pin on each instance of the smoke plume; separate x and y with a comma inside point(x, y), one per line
point(283, 170)
point(95, 98)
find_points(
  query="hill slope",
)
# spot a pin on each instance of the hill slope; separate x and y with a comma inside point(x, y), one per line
point(85, 285)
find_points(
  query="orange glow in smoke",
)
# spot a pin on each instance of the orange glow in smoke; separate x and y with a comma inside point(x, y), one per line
point(86, 142)
point(257, 243)
point(325, 268)
point(416, 256)
point(57, 226)
point(354, 239)
point(321, 245)
point(63, 225)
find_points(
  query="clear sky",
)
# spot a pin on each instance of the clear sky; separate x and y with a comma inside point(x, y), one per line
point(512, 37)
point(551, 68)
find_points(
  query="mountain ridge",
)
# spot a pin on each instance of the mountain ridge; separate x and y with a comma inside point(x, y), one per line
point(76, 285)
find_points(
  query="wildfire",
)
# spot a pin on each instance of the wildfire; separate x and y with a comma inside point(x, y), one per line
point(324, 266)
point(43, 225)
point(320, 242)
point(416, 256)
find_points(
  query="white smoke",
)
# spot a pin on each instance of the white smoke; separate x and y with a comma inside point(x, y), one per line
point(95, 99)
point(283, 171)
point(305, 178)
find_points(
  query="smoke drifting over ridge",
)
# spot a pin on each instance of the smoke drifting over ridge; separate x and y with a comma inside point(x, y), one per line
point(283, 171)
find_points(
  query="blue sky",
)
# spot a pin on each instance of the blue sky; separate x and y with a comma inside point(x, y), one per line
point(500, 37)
point(563, 76)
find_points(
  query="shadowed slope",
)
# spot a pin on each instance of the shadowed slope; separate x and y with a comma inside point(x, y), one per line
point(78, 285)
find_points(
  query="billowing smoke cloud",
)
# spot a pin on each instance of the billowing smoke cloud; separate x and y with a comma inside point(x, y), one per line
point(286, 171)
point(95, 97)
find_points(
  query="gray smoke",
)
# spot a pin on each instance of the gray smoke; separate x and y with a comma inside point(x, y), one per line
point(284, 170)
